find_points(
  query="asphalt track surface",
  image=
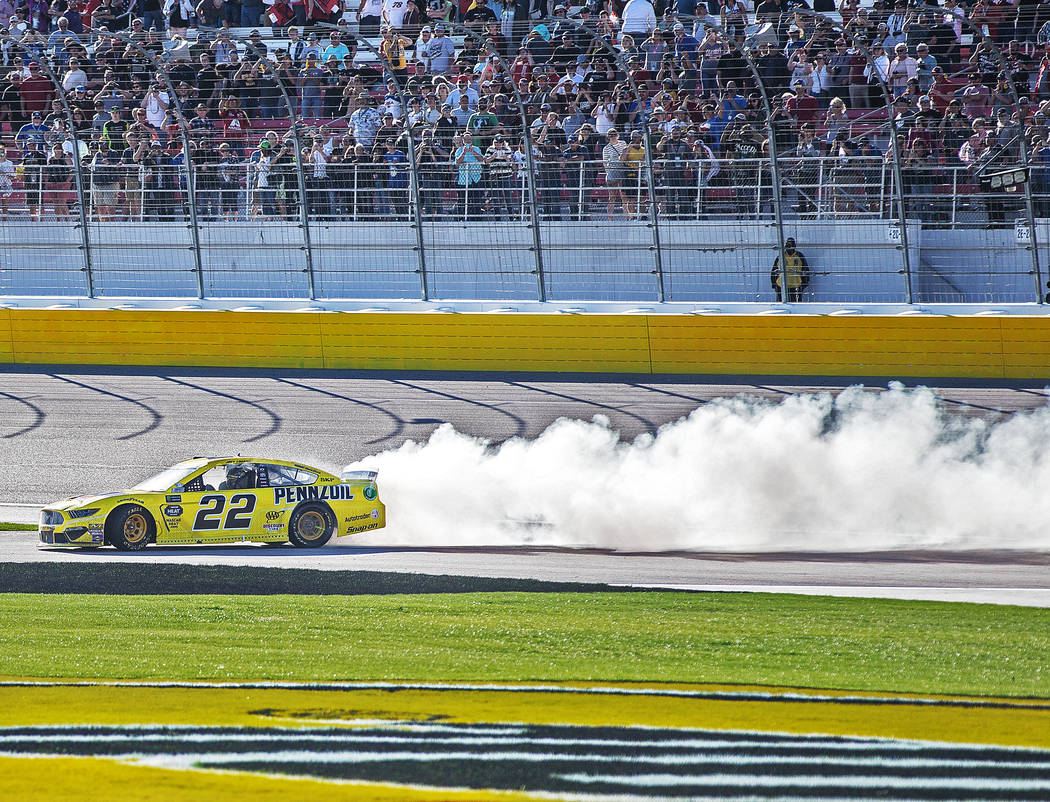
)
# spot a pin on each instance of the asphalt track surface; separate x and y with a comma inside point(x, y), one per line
point(70, 431)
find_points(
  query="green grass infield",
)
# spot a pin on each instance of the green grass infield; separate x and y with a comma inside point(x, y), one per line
point(762, 639)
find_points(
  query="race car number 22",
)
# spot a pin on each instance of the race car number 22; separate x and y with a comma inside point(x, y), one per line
point(237, 517)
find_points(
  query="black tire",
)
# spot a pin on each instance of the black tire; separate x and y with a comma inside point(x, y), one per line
point(130, 528)
point(311, 525)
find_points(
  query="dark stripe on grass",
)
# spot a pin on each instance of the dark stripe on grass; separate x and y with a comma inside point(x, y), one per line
point(147, 579)
point(681, 763)
point(541, 777)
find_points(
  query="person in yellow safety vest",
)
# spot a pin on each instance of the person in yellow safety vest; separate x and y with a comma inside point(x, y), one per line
point(797, 272)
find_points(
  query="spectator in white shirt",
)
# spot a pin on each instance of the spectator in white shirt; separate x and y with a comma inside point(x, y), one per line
point(901, 69)
point(638, 18)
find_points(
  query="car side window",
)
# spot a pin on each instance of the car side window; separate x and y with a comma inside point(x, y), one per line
point(286, 476)
point(214, 477)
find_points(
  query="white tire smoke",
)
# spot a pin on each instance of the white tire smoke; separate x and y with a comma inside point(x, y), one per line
point(858, 472)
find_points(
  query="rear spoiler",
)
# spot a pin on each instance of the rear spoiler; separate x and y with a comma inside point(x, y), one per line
point(358, 476)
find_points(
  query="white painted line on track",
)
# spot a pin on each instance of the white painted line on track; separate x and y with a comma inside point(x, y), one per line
point(1025, 597)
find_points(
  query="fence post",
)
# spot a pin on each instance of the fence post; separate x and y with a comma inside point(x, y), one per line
point(1004, 66)
point(424, 290)
point(530, 165)
point(300, 172)
point(654, 214)
point(894, 147)
point(1033, 243)
point(78, 176)
point(774, 170)
point(417, 205)
point(187, 160)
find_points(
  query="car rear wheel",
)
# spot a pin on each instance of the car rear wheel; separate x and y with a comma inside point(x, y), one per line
point(311, 525)
point(129, 528)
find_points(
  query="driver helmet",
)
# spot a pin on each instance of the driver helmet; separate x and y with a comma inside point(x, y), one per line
point(237, 471)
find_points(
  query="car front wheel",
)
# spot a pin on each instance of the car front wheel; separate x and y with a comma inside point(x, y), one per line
point(311, 525)
point(129, 528)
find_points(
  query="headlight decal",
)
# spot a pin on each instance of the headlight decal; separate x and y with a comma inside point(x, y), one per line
point(83, 513)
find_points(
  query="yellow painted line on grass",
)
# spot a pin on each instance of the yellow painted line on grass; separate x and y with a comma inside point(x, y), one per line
point(50, 705)
point(47, 779)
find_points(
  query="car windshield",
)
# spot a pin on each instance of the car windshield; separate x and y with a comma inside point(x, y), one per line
point(168, 477)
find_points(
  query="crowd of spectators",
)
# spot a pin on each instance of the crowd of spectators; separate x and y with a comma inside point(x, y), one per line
point(365, 97)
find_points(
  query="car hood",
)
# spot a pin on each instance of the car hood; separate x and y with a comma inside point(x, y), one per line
point(86, 501)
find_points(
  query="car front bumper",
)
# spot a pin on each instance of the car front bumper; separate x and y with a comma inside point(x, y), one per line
point(58, 530)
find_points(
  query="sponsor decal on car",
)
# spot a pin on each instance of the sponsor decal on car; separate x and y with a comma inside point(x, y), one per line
point(362, 517)
point(370, 493)
point(365, 528)
point(173, 510)
point(273, 527)
point(275, 515)
point(288, 495)
point(172, 499)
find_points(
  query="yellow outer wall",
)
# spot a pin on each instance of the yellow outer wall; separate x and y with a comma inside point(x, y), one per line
point(862, 345)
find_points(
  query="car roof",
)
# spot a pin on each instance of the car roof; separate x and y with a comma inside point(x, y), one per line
point(211, 462)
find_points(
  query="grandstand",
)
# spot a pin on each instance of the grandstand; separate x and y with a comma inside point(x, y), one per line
point(516, 152)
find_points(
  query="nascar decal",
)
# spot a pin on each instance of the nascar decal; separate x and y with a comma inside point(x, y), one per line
point(288, 495)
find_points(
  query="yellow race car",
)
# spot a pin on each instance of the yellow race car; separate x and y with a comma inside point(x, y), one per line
point(221, 500)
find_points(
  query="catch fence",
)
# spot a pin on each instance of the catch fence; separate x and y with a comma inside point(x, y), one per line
point(323, 207)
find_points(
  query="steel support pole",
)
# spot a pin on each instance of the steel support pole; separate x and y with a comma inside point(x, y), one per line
point(654, 215)
point(1004, 66)
point(530, 166)
point(774, 170)
point(187, 160)
point(1033, 243)
point(78, 177)
point(421, 269)
point(898, 176)
point(300, 177)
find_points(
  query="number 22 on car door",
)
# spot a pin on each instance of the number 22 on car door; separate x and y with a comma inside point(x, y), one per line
point(225, 515)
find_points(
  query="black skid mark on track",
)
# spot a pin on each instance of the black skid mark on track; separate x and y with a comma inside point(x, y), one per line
point(275, 419)
point(39, 416)
point(399, 423)
point(156, 417)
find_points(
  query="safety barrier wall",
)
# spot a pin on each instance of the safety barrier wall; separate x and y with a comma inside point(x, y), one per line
point(1012, 347)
